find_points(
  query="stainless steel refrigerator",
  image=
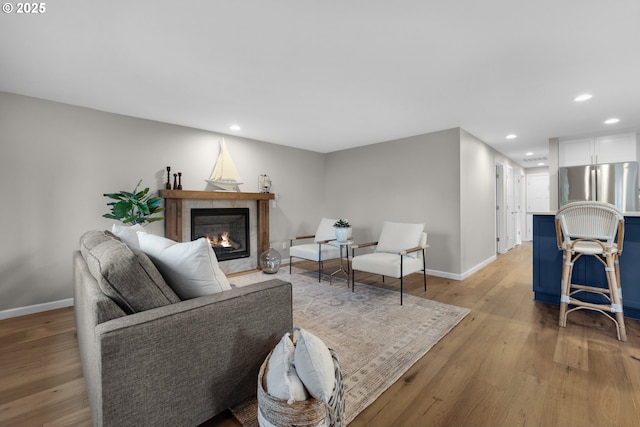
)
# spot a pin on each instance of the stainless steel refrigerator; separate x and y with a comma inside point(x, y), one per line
point(615, 183)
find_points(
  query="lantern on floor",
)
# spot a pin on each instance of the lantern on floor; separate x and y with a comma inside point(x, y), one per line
point(270, 261)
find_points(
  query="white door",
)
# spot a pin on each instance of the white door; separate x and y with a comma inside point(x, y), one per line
point(500, 217)
point(510, 209)
point(518, 204)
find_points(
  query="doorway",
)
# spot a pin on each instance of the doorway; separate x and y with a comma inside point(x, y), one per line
point(508, 208)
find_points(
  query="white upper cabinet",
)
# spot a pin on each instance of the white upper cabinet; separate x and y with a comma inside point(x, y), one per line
point(598, 150)
point(615, 149)
point(575, 152)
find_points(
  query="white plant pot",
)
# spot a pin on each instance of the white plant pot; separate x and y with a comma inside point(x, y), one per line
point(343, 233)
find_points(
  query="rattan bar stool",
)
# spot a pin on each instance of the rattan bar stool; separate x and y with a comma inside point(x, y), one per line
point(591, 228)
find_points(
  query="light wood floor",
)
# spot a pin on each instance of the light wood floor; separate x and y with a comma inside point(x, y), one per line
point(506, 364)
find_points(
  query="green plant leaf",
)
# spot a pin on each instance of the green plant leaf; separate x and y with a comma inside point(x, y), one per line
point(154, 203)
point(134, 207)
point(116, 196)
point(122, 208)
point(142, 193)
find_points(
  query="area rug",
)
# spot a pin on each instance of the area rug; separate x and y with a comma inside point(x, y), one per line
point(376, 338)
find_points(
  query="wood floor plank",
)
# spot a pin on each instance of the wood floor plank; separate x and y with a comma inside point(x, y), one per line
point(506, 364)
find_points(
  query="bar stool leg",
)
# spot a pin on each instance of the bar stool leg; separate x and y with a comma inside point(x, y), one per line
point(567, 267)
point(616, 298)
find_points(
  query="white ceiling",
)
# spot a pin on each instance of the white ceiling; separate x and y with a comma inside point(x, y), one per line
point(326, 75)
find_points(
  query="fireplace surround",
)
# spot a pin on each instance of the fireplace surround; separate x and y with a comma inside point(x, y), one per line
point(177, 219)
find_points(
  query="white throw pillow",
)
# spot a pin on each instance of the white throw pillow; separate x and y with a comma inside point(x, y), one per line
point(314, 365)
point(325, 230)
point(396, 237)
point(128, 234)
point(190, 268)
point(281, 380)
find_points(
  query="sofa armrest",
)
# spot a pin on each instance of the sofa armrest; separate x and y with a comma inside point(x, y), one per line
point(183, 363)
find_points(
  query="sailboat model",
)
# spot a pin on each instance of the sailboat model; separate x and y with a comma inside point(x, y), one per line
point(225, 177)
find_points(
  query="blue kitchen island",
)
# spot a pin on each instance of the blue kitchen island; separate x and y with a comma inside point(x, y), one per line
point(547, 265)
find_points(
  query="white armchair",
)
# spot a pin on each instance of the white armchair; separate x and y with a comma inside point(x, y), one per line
point(399, 251)
point(317, 251)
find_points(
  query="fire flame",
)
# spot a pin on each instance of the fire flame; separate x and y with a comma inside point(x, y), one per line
point(220, 240)
point(225, 243)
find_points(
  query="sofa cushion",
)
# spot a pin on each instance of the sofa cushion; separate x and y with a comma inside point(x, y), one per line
point(190, 268)
point(128, 234)
point(128, 277)
point(93, 238)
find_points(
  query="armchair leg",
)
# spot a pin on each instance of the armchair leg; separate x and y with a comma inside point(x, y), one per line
point(401, 277)
point(424, 270)
point(290, 262)
point(353, 280)
point(319, 262)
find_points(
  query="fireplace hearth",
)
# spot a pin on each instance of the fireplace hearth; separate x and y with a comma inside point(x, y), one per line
point(226, 229)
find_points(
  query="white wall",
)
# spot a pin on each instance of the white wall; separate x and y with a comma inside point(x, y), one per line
point(57, 160)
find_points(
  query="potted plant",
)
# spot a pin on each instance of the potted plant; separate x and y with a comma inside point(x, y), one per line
point(136, 207)
point(343, 230)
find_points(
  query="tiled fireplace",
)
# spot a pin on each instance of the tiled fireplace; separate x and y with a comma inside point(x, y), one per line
point(179, 205)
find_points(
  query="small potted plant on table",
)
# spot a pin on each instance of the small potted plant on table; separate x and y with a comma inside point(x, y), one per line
point(343, 230)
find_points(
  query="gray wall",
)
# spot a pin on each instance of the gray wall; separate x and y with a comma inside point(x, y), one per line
point(414, 179)
point(478, 202)
point(445, 179)
point(57, 160)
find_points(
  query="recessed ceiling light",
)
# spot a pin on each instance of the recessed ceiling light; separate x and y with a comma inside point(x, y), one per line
point(234, 127)
point(541, 164)
point(530, 153)
point(611, 121)
point(583, 97)
point(512, 136)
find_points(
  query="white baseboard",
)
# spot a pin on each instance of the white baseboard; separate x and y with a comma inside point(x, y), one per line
point(479, 266)
point(37, 308)
point(454, 276)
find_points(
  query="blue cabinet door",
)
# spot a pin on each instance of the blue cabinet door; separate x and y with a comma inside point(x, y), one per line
point(547, 266)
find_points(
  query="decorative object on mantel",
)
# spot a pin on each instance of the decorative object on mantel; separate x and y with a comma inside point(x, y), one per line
point(264, 183)
point(179, 180)
point(270, 260)
point(136, 207)
point(168, 186)
point(343, 230)
point(175, 181)
point(225, 176)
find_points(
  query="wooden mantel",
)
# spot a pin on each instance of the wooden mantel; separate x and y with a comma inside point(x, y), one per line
point(219, 195)
point(173, 210)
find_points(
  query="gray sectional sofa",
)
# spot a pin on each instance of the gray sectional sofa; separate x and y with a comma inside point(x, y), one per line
point(150, 359)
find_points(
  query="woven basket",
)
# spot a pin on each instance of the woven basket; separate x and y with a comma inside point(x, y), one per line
point(306, 413)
